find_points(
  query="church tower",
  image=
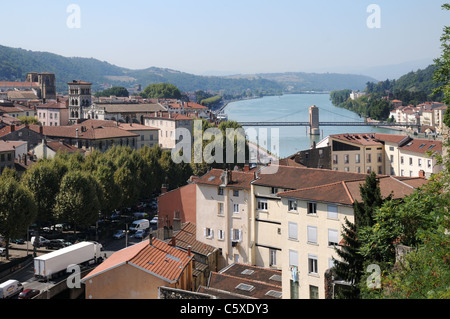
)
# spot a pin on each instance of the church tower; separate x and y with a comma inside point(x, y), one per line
point(79, 98)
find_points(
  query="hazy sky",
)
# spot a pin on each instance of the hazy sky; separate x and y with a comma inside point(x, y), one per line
point(230, 36)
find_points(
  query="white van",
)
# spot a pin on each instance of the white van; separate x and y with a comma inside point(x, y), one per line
point(42, 241)
point(10, 288)
point(141, 224)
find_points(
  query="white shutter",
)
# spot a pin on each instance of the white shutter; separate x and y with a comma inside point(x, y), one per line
point(204, 232)
point(212, 233)
point(332, 237)
point(293, 258)
point(332, 211)
point(231, 234)
point(292, 230)
point(240, 235)
point(312, 234)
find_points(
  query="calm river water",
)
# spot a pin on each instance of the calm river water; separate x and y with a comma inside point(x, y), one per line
point(295, 107)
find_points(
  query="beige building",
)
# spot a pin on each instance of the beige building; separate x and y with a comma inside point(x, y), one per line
point(224, 209)
point(168, 123)
point(53, 114)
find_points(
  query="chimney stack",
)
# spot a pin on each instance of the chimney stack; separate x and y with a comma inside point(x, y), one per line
point(189, 251)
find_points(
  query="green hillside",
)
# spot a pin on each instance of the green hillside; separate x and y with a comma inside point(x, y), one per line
point(16, 63)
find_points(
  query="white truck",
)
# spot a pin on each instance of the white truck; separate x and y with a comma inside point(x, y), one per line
point(54, 264)
point(141, 224)
point(10, 288)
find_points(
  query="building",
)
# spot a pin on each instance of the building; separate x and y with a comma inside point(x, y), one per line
point(168, 124)
point(137, 271)
point(53, 113)
point(312, 220)
point(33, 136)
point(359, 153)
point(148, 136)
point(177, 207)
point(415, 159)
point(7, 154)
point(224, 208)
point(124, 112)
point(43, 85)
point(188, 108)
point(242, 281)
point(89, 137)
point(49, 149)
point(16, 110)
point(80, 99)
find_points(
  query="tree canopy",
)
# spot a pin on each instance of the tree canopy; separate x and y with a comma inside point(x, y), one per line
point(161, 91)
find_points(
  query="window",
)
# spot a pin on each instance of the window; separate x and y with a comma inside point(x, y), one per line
point(419, 161)
point(402, 173)
point(410, 161)
point(312, 264)
point(220, 208)
point(312, 209)
point(332, 211)
point(293, 258)
point(380, 169)
point(208, 232)
point(379, 158)
point(220, 234)
point(274, 190)
point(312, 234)
point(358, 169)
point(429, 163)
point(369, 158)
point(391, 148)
point(262, 204)
point(313, 292)
point(236, 193)
point(335, 159)
point(220, 191)
point(392, 158)
point(236, 235)
point(333, 237)
point(346, 169)
point(272, 257)
point(357, 158)
point(235, 208)
point(292, 205)
point(293, 231)
point(402, 160)
point(346, 159)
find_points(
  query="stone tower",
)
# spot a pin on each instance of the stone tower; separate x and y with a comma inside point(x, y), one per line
point(47, 84)
point(79, 98)
point(314, 120)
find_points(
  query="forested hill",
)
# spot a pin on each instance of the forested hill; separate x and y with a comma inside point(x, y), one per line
point(16, 63)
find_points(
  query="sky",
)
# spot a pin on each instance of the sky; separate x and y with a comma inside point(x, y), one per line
point(231, 36)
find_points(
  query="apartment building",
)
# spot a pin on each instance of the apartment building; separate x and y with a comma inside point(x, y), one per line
point(358, 153)
point(168, 123)
point(385, 154)
point(53, 114)
point(224, 209)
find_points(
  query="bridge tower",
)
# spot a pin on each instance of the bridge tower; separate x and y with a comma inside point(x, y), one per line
point(314, 120)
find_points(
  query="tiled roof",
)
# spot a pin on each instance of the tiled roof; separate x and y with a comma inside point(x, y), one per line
point(158, 259)
point(347, 192)
point(6, 147)
point(63, 147)
point(247, 281)
point(236, 179)
point(186, 238)
point(52, 105)
point(422, 146)
point(14, 84)
point(365, 139)
point(301, 177)
point(167, 116)
point(391, 137)
point(84, 132)
point(131, 107)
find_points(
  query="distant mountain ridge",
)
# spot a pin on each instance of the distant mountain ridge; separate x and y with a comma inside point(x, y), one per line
point(15, 63)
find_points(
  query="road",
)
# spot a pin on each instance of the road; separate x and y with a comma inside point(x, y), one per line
point(26, 274)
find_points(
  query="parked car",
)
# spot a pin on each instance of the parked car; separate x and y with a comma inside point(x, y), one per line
point(119, 234)
point(29, 293)
point(2, 252)
point(42, 241)
point(139, 215)
point(18, 241)
point(140, 234)
point(56, 244)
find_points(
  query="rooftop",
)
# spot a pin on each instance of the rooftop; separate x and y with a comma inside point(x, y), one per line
point(236, 179)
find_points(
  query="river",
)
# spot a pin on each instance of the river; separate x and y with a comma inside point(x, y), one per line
point(295, 107)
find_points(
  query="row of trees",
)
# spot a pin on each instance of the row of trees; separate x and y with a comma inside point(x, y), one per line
point(118, 91)
point(77, 190)
point(367, 105)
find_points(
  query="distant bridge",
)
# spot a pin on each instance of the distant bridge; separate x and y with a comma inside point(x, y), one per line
point(328, 124)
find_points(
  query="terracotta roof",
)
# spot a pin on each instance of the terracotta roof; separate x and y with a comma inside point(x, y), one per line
point(14, 108)
point(301, 177)
point(63, 147)
point(14, 84)
point(347, 192)
point(236, 179)
point(84, 132)
point(391, 138)
point(136, 127)
point(29, 95)
point(6, 147)
point(187, 237)
point(158, 259)
point(74, 82)
point(365, 139)
point(52, 105)
point(130, 107)
point(167, 116)
point(248, 281)
point(422, 146)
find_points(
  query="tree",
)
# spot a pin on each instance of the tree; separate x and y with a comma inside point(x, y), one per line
point(161, 91)
point(118, 91)
point(17, 209)
point(77, 201)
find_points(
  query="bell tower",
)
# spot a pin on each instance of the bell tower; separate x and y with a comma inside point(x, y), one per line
point(79, 98)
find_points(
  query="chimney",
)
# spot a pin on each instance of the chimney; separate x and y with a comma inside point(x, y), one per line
point(189, 251)
point(150, 239)
point(13, 128)
point(77, 132)
point(173, 242)
point(422, 173)
point(163, 189)
point(246, 167)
